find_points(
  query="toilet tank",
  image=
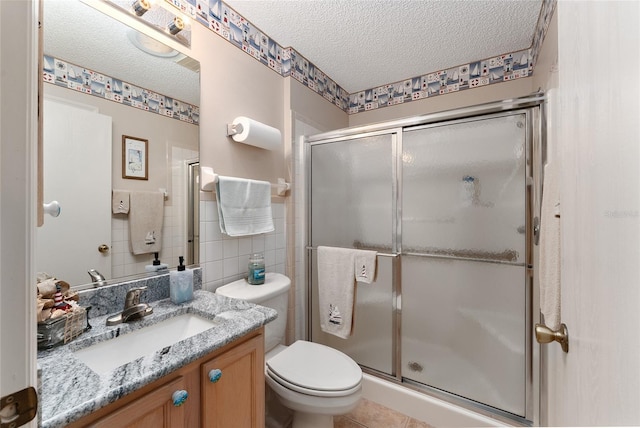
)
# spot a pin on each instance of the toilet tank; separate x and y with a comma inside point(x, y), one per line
point(272, 294)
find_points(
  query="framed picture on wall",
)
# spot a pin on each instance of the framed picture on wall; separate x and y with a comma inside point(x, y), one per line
point(135, 157)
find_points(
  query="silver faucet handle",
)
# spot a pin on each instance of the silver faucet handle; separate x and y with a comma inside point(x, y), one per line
point(133, 297)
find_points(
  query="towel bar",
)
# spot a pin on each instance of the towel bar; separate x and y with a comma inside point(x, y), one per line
point(379, 254)
point(208, 180)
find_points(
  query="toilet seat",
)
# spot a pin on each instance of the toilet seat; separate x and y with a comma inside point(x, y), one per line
point(315, 369)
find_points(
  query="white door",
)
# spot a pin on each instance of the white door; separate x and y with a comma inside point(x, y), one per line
point(18, 155)
point(77, 174)
point(598, 381)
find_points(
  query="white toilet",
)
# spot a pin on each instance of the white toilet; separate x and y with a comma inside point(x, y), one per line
point(315, 381)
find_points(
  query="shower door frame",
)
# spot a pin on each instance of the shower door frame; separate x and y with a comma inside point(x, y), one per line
point(533, 108)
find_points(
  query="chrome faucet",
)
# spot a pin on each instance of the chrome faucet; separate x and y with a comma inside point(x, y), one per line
point(97, 278)
point(133, 309)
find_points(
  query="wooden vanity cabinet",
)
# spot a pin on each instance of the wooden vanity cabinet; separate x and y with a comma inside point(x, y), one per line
point(152, 410)
point(235, 400)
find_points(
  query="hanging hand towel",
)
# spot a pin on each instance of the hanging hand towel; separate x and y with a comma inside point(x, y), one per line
point(244, 206)
point(365, 266)
point(336, 290)
point(120, 202)
point(550, 248)
point(146, 214)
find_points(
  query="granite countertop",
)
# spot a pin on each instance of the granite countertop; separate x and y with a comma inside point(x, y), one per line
point(71, 390)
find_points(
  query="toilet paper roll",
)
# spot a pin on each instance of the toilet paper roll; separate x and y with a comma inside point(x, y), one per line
point(257, 134)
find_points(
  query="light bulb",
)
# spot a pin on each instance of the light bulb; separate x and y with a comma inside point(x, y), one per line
point(140, 7)
point(175, 26)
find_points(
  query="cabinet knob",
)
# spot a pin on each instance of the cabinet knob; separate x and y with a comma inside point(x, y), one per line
point(179, 397)
point(215, 375)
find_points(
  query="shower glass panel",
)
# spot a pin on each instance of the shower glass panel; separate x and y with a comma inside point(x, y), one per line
point(352, 206)
point(464, 283)
point(351, 195)
point(372, 341)
point(464, 188)
point(463, 329)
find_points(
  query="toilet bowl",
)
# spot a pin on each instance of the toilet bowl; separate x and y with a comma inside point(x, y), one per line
point(315, 381)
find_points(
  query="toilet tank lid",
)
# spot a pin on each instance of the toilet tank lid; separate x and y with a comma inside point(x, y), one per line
point(274, 284)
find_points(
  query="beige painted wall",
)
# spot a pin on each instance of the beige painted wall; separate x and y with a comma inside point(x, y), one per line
point(163, 133)
point(470, 97)
point(233, 84)
point(319, 111)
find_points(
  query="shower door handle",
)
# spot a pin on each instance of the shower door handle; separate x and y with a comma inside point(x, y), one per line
point(545, 335)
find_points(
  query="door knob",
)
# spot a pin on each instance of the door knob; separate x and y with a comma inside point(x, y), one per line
point(545, 335)
point(52, 208)
point(104, 248)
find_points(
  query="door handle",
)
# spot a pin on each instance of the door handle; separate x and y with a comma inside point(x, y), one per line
point(545, 335)
point(104, 248)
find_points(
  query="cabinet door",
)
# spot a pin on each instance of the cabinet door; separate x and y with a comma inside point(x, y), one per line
point(236, 399)
point(153, 410)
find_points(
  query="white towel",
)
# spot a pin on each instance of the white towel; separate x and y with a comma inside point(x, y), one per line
point(146, 214)
point(336, 290)
point(550, 248)
point(120, 201)
point(244, 206)
point(365, 266)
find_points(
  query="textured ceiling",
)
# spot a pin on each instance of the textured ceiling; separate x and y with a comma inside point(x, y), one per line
point(360, 44)
point(77, 33)
point(363, 44)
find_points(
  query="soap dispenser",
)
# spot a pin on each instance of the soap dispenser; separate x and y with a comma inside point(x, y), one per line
point(156, 266)
point(181, 283)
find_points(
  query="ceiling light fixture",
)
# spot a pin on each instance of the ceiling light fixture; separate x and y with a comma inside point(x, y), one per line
point(150, 45)
point(140, 7)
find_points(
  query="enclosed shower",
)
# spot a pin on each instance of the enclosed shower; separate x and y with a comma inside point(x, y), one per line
point(449, 202)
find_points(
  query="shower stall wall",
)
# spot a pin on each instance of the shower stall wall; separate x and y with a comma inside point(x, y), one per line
point(448, 201)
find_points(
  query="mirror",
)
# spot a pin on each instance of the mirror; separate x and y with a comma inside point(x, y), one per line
point(101, 74)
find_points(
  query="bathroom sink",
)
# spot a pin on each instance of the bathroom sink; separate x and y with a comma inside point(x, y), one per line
point(106, 356)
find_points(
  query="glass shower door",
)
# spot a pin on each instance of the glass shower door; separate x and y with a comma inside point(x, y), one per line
point(352, 206)
point(464, 283)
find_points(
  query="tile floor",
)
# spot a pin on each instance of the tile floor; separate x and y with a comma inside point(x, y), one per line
point(369, 414)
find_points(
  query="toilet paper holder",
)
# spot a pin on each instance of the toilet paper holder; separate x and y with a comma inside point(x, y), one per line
point(251, 132)
point(234, 128)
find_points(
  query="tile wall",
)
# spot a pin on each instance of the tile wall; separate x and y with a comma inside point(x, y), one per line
point(224, 259)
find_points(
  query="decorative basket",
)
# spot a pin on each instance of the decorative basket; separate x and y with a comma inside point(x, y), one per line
point(54, 332)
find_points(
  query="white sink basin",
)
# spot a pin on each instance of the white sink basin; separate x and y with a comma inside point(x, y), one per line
point(106, 356)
